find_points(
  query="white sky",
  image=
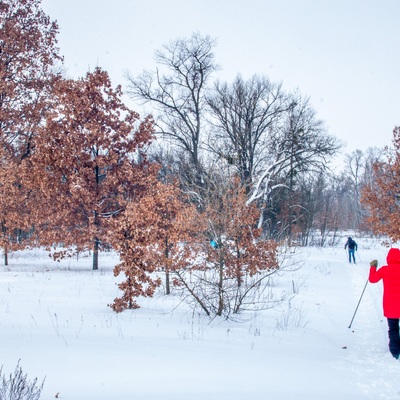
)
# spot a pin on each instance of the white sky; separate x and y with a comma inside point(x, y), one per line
point(343, 54)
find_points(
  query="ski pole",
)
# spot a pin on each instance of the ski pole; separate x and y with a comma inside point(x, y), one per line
point(359, 301)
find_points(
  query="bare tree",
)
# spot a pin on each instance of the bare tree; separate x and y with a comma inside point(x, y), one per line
point(176, 90)
point(359, 172)
point(243, 115)
point(321, 203)
point(354, 170)
point(300, 145)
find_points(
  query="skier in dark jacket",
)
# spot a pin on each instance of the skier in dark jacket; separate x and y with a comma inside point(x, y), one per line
point(352, 245)
point(390, 275)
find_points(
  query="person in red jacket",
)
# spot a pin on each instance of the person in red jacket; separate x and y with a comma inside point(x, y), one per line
point(390, 275)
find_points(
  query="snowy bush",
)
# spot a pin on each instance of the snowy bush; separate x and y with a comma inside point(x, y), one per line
point(291, 318)
point(17, 387)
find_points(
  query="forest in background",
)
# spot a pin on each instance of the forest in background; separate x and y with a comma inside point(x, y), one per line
point(205, 188)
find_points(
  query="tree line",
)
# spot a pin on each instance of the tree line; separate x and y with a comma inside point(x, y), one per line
point(196, 197)
point(270, 139)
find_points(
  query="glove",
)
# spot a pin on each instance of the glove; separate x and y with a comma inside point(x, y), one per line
point(373, 263)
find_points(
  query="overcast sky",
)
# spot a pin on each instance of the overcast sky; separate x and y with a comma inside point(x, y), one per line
point(343, 54)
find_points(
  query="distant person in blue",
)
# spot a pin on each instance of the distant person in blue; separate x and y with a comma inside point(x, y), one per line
point(352, 245)
point(214, 244)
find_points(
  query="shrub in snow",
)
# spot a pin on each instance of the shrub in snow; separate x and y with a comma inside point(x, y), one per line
point(17, 387)
point(160, 233)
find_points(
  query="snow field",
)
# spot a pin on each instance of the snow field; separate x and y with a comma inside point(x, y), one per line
point(54, 317)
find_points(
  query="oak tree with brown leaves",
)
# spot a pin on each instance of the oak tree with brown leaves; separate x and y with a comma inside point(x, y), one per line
point(85, 162)
point(381, 195)
point(29, 61)
point(165, 233)
point(14, 209)
point(152, 237)
point(232, 276)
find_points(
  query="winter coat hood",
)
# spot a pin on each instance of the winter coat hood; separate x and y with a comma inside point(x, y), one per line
point(393, 256)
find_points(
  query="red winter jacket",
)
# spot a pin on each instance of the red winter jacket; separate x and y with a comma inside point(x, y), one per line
point(390, 274)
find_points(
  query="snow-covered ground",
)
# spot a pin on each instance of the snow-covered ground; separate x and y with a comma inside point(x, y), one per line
point(54, 317)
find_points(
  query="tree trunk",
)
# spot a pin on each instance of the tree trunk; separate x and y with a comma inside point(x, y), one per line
point(167, 280)
point(167, 285)
point(5, 256)
point(96, 254)
point(220, 288)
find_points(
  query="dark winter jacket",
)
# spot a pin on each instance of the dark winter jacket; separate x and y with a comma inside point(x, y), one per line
point(390, 274)
point(351, 243)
